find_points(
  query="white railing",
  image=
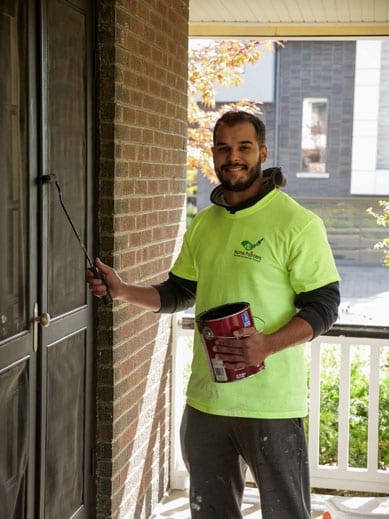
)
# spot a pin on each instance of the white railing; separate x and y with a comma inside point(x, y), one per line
point(339, 475)
point(182, 340)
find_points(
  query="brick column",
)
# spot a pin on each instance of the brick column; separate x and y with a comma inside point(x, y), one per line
point(142, 103)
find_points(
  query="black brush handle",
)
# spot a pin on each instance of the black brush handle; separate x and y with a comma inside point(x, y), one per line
point(107, 299)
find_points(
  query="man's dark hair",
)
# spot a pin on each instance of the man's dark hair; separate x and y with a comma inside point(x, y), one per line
point(239, 116)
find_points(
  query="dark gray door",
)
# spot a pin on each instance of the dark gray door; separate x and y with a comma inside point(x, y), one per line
point(46, 355)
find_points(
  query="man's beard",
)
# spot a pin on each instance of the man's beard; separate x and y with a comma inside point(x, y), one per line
point(241, 185)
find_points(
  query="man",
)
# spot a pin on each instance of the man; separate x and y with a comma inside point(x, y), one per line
point(291, 282)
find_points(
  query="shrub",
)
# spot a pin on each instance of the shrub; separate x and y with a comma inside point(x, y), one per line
point(359, 398)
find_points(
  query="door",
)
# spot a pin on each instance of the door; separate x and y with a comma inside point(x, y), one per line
point(46, 355)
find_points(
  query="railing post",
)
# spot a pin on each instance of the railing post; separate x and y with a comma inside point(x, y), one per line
point(314, 403)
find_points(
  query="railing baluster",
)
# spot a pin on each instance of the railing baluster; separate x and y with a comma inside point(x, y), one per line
point(314, 407)
point(373, 412)
point(344, 406)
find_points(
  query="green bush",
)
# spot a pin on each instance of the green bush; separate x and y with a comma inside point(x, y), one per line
point(382, 219)
point(359, 397)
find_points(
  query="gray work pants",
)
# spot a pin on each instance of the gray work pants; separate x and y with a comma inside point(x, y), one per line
point(217, 451)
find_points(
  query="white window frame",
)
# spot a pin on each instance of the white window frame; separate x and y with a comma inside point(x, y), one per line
point(306, 115)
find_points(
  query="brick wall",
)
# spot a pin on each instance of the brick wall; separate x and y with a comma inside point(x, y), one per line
point(141, 91)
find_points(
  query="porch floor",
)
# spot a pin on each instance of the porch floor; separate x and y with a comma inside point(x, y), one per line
point(175, 505)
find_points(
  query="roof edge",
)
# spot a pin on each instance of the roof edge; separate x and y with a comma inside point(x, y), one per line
point(289, 30)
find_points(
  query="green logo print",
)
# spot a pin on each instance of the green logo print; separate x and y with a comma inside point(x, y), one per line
point(248, 245)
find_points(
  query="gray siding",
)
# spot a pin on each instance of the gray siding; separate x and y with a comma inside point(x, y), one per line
point(317, 69)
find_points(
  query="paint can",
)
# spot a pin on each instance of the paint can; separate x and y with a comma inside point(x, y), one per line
point(220, 322)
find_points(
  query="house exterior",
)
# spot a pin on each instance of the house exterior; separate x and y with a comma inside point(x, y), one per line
point(92, 108)
point(347, 82)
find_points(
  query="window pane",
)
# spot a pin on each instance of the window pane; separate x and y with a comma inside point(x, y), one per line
point(314, 135)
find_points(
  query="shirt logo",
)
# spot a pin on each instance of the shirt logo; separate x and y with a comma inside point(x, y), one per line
point(248, 248)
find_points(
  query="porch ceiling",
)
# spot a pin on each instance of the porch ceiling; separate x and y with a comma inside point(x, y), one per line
point(289, 18)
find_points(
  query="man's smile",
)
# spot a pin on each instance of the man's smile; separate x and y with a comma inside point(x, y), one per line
point(234, 167)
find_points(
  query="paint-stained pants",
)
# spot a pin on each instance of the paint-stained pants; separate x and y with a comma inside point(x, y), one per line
point(217, 451)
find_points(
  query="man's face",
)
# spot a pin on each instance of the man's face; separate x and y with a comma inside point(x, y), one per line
point(237, 156)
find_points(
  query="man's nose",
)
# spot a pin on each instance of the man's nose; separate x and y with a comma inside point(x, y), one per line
point(234, 155)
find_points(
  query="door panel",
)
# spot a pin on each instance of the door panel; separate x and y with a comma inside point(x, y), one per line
point(66, 147)
point(65, 426)
point(14, 424)
point(13, 169)
point(18, 282)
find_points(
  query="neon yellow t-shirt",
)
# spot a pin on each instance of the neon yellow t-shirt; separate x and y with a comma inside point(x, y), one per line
point(265, 255)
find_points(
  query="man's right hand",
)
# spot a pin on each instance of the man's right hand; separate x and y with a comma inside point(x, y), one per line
point(110, 281)
point(144, 296)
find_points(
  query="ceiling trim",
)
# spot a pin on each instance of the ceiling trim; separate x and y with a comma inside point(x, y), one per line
point(288, 30)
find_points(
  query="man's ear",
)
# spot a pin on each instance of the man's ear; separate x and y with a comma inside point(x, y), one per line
point(263, 153)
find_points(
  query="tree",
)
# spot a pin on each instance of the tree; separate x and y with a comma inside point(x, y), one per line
point(382, 219)
point(219, 62)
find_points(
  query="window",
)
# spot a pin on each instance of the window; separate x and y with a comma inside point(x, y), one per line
point(314, 135)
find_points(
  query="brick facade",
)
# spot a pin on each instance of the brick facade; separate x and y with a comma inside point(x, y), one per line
point(142, 113)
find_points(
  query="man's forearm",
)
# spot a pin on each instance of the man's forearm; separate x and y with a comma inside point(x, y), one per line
point(143, 296)
point(297, 331)
point(254, 348)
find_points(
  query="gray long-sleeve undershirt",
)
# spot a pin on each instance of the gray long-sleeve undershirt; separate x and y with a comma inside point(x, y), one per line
point(318, 307)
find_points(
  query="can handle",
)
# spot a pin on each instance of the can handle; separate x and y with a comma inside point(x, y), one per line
point(208, 334)
point(229, 336)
